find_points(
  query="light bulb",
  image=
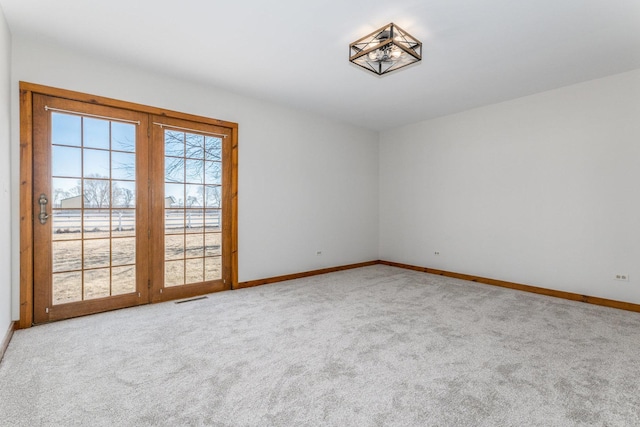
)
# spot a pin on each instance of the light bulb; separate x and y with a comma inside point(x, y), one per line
point(396, 53)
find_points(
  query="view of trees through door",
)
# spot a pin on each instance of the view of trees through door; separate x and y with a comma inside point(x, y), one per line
point(129, 207)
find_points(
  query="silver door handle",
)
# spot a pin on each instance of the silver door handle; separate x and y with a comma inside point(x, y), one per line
point(44, 216)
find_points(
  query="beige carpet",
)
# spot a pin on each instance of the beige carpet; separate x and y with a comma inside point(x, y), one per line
point(376, 346)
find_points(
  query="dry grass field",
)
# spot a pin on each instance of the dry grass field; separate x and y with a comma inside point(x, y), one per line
point(97, 263)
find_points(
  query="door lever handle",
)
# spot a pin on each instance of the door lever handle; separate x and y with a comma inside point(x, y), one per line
point(43, 216)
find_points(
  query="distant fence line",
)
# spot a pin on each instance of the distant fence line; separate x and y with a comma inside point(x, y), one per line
point(71, 221)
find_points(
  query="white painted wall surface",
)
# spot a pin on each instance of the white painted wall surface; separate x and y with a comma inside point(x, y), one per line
point(305, 183)
point(542, 190)
point(5, 176)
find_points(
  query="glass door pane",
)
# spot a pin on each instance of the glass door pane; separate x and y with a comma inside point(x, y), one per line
point(94, 191)
point(192, 208)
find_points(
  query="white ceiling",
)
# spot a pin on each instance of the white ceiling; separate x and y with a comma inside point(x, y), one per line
point(295, 52)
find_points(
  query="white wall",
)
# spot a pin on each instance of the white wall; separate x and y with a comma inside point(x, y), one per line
point(541, 190)
point(305, 183)
point(5, 177)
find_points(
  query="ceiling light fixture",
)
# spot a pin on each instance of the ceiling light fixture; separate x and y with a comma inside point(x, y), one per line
point(386, 49)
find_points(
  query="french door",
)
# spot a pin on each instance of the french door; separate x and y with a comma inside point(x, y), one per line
point(190, 238)
point(129, 208)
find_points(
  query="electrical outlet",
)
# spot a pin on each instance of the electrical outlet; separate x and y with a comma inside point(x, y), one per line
point(621, 276)
point(436, 253)
point(318, 253)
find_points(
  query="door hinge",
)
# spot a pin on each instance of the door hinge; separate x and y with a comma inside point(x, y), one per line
point(148, 233)
point(149, 284)
point(149, 131)
point(46, 310)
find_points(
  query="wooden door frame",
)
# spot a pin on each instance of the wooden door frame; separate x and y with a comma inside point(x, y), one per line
point(43, 236)
point(159, 292)
point(26, 179)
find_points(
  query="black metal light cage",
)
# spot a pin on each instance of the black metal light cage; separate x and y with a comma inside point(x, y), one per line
point(386, 49)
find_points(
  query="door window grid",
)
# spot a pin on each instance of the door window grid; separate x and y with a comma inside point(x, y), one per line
point(193, 208)
point(87, 226)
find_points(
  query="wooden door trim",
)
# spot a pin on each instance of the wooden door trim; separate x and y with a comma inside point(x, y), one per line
point(26, 210)
point(234, 209)
point(27, 90)
point(125, 105)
